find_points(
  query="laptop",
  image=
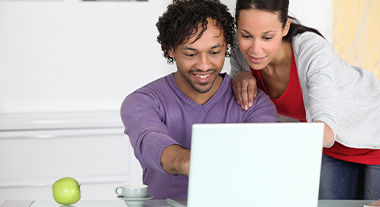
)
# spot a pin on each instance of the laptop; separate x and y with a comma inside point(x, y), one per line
point(254, 164)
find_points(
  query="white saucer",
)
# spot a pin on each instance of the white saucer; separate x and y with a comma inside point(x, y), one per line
point(135, 201)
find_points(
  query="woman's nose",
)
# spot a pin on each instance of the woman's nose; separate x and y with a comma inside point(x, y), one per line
point(256, 47)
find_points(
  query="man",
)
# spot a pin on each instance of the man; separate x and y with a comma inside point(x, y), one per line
point(158, 117)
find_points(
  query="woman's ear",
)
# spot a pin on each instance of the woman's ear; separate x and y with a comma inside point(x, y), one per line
point(286, 28)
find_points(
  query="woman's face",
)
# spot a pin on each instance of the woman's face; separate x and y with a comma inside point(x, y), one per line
point(260, 35)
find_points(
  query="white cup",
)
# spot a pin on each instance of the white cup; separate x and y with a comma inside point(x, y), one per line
point(133, 191)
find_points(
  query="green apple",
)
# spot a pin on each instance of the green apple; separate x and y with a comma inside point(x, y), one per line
point(66, 191)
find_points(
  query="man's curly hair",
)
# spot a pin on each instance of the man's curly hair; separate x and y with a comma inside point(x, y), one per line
point(181, 20)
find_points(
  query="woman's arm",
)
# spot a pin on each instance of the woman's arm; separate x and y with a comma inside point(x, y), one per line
point(243, 84)
point(318, 68)
point(245, 89)
point(328, 136)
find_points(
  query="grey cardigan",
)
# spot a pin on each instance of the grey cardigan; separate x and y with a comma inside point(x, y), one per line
point(347, 98)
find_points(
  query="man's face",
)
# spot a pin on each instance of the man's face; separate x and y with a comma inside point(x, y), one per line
point(199, 63)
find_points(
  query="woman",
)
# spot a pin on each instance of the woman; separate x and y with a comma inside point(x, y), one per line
point(307, 81)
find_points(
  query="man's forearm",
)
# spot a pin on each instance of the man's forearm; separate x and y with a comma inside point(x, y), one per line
point(176, 160)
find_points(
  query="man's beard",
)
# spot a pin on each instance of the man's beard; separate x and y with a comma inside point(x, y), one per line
point(194, 85)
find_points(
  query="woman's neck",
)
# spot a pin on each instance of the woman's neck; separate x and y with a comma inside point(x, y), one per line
point(276, 75)
point(282, 59)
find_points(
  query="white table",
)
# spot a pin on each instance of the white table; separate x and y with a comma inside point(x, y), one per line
point(157, 203)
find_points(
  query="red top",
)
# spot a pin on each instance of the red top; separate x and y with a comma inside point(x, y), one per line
point(291, 104)
point(292, 94)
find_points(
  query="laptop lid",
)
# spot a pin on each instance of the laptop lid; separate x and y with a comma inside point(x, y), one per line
point(251, 164)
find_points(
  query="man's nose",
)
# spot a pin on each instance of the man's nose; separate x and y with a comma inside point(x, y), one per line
point(204, 62)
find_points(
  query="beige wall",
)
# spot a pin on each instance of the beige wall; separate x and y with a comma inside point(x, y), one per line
point(356, 32)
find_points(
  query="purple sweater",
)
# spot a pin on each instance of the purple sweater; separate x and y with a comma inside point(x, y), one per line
point(159, 114)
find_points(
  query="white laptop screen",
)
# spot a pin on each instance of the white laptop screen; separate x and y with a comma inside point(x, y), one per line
point(271, 164)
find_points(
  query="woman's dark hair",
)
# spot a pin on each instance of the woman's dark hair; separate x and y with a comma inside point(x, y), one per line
point(184, 18)
point(275, 6)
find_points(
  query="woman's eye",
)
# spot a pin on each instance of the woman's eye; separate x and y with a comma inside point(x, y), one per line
point(190, 55)
point(215, 53)
point(267, 38)
point(245, 36)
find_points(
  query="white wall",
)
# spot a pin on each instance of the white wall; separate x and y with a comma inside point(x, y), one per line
point(312, 13)
point(70, 55)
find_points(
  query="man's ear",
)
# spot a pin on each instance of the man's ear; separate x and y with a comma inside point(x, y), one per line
point(171, 52)
point(286, 28)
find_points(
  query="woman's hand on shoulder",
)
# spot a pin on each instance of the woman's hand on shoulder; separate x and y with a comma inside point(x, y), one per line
point(245, 89)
